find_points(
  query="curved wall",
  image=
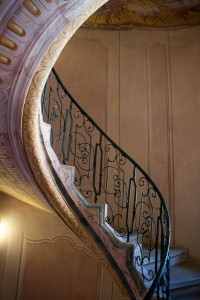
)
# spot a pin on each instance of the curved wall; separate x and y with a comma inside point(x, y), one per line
point(143, 88)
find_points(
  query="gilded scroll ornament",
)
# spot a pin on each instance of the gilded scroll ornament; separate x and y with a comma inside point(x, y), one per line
point(127, 14)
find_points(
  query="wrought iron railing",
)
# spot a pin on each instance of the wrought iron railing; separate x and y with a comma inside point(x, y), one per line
point(105, 174)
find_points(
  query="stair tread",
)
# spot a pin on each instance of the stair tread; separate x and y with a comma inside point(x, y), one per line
point(185, 274)
point(173, 252)
point(177, 251)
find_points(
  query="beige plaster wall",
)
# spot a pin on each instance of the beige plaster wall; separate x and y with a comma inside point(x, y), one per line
point(41, 258)
point(143, 88)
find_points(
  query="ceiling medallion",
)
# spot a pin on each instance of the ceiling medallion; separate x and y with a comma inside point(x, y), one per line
point(128, 14)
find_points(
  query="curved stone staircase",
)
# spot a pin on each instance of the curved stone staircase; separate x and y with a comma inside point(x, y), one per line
point(138, 252)
point(33, 33)
point(184, 275)
point(93, 216)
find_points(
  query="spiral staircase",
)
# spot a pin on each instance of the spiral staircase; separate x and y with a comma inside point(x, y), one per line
point(66, 162)
point(110, 190)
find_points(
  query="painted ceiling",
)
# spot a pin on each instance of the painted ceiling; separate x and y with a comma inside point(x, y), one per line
point(129, 14)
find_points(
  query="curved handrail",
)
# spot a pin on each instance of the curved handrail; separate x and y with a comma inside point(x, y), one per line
point(101, 164)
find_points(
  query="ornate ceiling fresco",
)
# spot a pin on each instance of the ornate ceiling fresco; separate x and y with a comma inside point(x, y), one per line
point(128, 14)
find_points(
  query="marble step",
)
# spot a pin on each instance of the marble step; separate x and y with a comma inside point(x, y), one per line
point(185, 281)
point(177, 256)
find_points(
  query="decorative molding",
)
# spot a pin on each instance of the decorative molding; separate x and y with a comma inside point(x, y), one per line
point(8, 43)
point(147, 67)
point(170, 143)
point(4, 60)
point(12, 26)
point(26, 240)
point(54, 239)
point(32, 7)
point(153, 102)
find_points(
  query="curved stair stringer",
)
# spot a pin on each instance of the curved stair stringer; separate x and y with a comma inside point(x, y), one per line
point(48, 175)
point(54, 182)
point(93, 216)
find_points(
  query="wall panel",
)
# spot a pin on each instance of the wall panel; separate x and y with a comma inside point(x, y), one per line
point(133, 97)
point(44, 259)
point(158, 126)
point(151, 107)
point(64, 271)
point(186, 132)
point(89, 68)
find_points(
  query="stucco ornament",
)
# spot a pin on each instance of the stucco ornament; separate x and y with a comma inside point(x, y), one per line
point(127, 14)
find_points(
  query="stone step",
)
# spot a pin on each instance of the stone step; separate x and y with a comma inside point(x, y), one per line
point(177, 256)
point(187, 293)
point(184, 275)
point(185, 281)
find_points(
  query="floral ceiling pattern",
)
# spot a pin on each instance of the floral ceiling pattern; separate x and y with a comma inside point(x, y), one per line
point(128, 14)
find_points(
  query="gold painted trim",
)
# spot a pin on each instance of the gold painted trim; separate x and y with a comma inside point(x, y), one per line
point(129, 18)
point(135, 13)
point(34, 150)
point(32, 8)
point(7, 43)
point(4, 60)
point(15, 28)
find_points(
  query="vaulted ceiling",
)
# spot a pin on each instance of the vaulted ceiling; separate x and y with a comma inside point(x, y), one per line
point(128, 14)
